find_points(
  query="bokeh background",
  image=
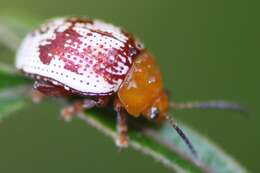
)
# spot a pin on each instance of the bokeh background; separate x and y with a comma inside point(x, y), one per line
point(206, 50)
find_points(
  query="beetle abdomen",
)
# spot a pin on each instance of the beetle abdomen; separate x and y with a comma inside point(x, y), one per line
point(91, 57)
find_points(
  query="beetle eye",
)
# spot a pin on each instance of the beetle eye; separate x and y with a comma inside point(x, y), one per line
point(154, 113)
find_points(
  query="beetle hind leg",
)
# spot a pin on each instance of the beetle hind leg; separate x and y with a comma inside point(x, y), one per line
point(37, 96)
point(42, 89)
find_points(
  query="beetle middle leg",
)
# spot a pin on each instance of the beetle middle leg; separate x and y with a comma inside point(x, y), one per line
point(122, 129)
point(80, 105)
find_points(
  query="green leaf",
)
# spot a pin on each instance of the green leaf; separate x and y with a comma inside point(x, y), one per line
point(8, 78)
point(12, 100)
point(12, 91)
point(164, 145)
point(159, 142)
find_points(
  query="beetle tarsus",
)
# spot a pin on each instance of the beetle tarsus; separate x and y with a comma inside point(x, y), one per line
point(68, 112)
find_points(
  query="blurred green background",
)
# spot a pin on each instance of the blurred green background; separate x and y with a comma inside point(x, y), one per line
point(206, 50)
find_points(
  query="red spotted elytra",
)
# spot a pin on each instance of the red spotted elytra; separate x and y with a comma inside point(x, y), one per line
point(100, 63)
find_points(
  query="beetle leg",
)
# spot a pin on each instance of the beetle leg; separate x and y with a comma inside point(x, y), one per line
point(41, 89)
point(37, 96)
point(122, 129)
point(50, 89)
point(78, 106)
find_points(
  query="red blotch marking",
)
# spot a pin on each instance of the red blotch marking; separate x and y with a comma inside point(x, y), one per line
point(57, 48)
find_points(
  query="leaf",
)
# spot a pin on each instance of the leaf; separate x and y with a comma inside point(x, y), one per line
point(11, 100)
point(159, 142)
point(146, 140)
point(9, 78)
point(12, 91)
point(164, 145)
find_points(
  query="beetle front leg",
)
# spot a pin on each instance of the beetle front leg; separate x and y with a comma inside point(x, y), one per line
point(122, 129)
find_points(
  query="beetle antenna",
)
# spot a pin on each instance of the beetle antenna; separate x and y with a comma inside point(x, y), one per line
point(218, 105)
point(182, 135)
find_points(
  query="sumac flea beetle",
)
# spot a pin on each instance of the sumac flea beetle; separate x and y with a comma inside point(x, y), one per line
point(100, 62)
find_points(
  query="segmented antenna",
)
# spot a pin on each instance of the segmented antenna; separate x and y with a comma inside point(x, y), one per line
point(218, 105)
point(182, 135)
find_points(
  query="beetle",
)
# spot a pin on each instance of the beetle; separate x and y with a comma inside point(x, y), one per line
point(100, 63)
